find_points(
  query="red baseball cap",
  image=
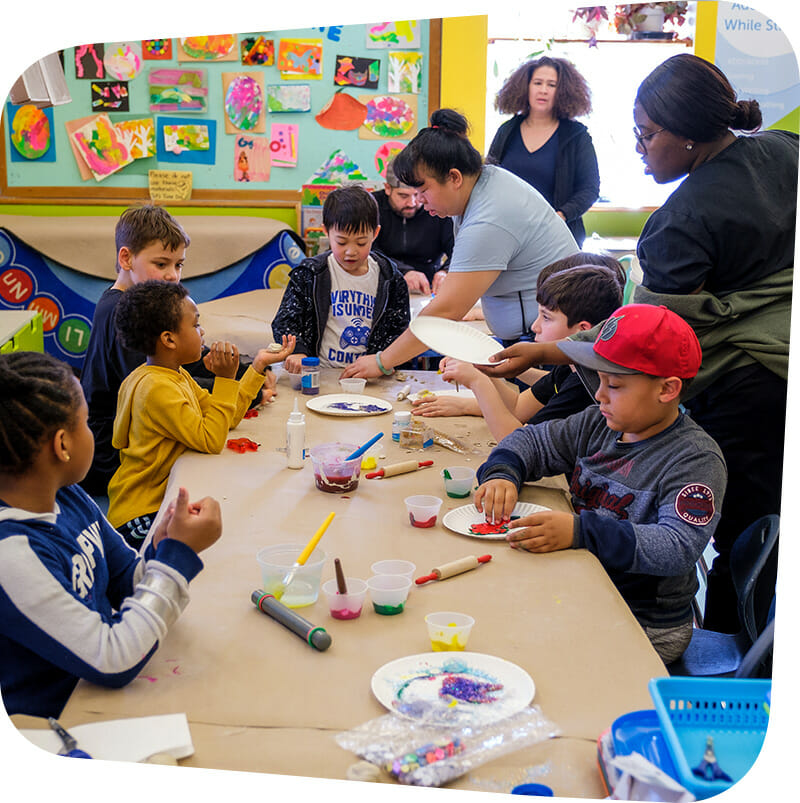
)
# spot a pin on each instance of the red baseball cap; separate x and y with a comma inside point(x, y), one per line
point(640, 339)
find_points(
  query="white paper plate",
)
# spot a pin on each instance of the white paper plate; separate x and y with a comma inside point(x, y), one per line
point(411, 687)
point(460, 519)
point(348, 404)
point(455, 339)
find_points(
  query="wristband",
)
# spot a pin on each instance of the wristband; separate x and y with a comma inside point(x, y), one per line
point(383, 370)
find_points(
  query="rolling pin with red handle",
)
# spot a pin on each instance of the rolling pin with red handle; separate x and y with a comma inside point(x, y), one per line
point(456, 567)
point(399, 468)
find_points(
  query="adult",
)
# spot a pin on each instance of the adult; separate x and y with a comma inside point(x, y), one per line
point(421, 245)
point(719, 252)
point(543, 143)
point(505, 233)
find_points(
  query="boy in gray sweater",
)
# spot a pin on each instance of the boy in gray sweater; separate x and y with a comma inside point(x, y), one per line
point(645, 480)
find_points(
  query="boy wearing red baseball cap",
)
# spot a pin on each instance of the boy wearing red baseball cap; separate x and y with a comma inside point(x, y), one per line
point(645, 480)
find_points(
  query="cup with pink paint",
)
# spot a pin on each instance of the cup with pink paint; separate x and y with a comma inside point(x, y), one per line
point(349, 604)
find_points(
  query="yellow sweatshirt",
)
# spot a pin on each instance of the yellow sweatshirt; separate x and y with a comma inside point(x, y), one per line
point(160, 414)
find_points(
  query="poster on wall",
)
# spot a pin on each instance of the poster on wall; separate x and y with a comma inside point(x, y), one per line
point(208, 48)
point(300, 59)
point(244, 104)
point(99, 145)
point(405, 71)
point(138, 136)
point(110, 96)
point(357, 71)
point(30, 132)
point(156, 49)
point(89, 61)
point(405, 33)
point(284, 138)
point(389, 116)
point(181, 141)
point(289, 98)
point(123, 60)
point(178, 89)
point(257, 51)
point(252, 158)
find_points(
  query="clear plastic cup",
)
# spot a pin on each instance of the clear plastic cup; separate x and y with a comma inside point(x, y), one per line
point(402, 567)
point(448, 630)
point(460, 482)
point(423, 510)
point(345, 606)
point(353, 384)
point(332, 473)
point(388, 593)
point(294, 380)
point(277, 560)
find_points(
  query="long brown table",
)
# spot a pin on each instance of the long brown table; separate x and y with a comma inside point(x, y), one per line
point(259, 699)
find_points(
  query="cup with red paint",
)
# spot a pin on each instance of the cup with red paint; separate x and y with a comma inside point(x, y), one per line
point(333, 472)
point(423, 509)
point(349, 604)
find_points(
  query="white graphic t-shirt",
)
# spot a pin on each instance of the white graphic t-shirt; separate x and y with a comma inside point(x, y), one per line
point(350, 317)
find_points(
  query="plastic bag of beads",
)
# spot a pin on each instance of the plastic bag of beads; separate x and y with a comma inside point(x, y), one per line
point(421, 754)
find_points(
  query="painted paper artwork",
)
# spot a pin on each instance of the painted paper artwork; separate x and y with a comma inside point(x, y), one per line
point(156, 49)
point(342, 112)
point(313, 195)
point(193, 142)
point(110, 96)
point(388, 116)
point(208, 48)
point(138, 136)
point(289, 97)
point(31, 132)
point(405, 33)
point(257, 51)
point(100, 147)
point(338, 168)
point(252, 158)
point(244, 102)
point(357, 71)
point(89, 61)
point(300, 58)
point(178, 89)
point(283, 144)
point(405, 71)
point(385, 154)
point(123, 60)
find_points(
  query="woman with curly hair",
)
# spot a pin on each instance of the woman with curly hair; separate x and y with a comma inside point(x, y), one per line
point(542, 143)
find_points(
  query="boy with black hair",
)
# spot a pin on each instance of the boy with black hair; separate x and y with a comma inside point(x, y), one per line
point(645, 480)
point(347, 301)
point(161, 410)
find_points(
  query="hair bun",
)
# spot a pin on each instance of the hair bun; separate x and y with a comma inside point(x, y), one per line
point(449, 120)
point(747, 116)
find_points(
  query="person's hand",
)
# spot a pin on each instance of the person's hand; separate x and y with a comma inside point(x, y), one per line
point(463, 373)
point(438, 278)
point(222, 359)
point(547, 531)
point(433, 405)
point(496, 499)
point(268, 389)
point(365, 366)
point(293, 364)
point(265, 357)
point(417, 282)
point(513, 360)
point(196, 524)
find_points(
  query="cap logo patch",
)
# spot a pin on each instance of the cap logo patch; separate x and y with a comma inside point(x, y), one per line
point(610, 328)
point(695, 504)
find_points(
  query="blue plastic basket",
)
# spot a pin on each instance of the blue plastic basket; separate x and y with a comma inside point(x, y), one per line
point(733, 711)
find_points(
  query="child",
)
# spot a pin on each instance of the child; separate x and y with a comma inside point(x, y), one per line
point(645, 480)
point(161, 411)
point(150, 244)
point(75, 601)
point(347, 301)
point(569, 300)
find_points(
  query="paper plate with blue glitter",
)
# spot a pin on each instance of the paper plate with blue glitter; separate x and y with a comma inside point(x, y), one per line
point(458, 688)
point(348, 404)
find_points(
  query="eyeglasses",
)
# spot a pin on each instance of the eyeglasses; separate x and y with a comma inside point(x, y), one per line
point(643, 139)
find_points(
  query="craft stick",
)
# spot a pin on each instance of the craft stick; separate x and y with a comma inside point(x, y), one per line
point(399, 468)
point(453, 568)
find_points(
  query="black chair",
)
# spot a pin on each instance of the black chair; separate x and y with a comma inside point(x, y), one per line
point(754, 563)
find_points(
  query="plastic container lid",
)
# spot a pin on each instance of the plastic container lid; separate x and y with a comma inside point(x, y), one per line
point(310, 361)
point(403, 415)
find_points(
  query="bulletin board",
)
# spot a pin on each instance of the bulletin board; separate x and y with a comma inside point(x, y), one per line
point(246, 119)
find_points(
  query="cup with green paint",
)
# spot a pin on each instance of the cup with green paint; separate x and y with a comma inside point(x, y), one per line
point(458, 481)
point(388, 593)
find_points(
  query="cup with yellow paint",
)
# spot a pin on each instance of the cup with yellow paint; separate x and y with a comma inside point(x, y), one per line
point(448, 630)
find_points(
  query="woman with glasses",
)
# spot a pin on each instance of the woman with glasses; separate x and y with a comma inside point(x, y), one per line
point(542, 143)
point(720, 253)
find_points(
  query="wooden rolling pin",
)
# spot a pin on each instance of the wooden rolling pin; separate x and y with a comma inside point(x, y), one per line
point(456, 567)
point(399, 468)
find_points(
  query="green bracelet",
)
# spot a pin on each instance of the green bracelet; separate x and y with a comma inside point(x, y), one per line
point(381, 366)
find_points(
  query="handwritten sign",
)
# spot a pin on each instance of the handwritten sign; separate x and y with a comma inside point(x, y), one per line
point(170, 185)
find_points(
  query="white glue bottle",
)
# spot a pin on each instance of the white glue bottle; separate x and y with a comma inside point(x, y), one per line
point(295, 437)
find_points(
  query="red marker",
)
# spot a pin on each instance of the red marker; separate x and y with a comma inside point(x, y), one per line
point(398, 468)
point(456, 567)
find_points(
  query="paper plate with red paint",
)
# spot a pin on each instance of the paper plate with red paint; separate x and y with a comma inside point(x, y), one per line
point(467, 520)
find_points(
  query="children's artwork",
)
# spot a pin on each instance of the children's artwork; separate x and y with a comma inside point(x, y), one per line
point(405, 33)
point(208, 48)
point(123, 60)
point(289, 97)
point(89, 61)
point(357, 71)
point(31, 133)
point(110, 96)
point(100, 147)
point(283, 144)
point(311, 218)
point(156, 49)
point(342, 112)
point(244, 102)
point(257, 51)
point(405, 71)
point(300, 58)
point(389, 116)
point(313, 195)
point(385, 154)
point(338, 168)
point(138, 136)
point(252, 158)
point(178, 90)
point(180, 142)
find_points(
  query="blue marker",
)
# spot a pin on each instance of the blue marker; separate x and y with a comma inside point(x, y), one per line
point(70, 743)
